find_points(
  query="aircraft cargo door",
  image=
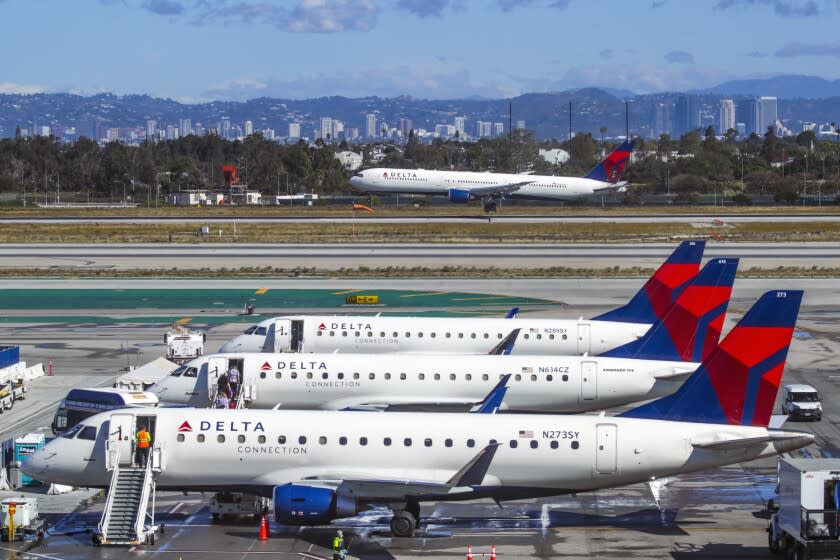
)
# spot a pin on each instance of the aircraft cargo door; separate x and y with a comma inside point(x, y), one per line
point(588, 381)
point(605, 454)
point(120, 434)
point(583, 338)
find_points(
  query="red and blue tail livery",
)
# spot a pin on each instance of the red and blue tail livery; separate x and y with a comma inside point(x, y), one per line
point(690, 330)
point(738, 383)
point(610, 170)
point(653, 301)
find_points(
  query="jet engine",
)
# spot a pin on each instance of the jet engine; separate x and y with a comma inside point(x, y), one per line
point(297, 504)
point(460, 195)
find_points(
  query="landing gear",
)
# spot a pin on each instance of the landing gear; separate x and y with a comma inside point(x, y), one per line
point(489, 206)
point(403, 524)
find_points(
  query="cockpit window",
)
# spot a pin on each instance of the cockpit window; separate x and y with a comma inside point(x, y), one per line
point(260, 331)
point(186, 371)
point(71, 433)
point(89, 432)
point(250, 330)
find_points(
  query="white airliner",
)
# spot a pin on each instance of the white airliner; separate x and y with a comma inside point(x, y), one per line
point(465, 186)
point(323, 465)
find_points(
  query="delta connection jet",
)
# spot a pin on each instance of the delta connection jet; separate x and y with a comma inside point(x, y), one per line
point(329, 381)
point(319, 466)
point(465, 186)
point(470, 335)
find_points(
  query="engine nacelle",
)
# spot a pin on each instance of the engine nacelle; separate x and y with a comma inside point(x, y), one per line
point(460, 195)
point(296, 504)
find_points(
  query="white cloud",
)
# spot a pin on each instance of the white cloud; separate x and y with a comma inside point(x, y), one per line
point(643, 78)
point(11, 87)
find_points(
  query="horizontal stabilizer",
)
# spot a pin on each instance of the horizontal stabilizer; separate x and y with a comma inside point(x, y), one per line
point(676, 373)
point(730, 443)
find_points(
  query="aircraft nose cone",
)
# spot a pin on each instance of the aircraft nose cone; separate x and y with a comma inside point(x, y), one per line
point(36, 464)
point(231, 346)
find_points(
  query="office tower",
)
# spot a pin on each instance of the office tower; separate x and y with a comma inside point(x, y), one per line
point(686, 115)
point(727, 115)
point(249, 128)
point(370, 126)
point(460, 122)
point(225, 127)
point(112, 135)
point(151, 129)
point(268, 134)
point(766, 114)
point(352, 133)
point(660, 119)
point(171, 132)
point(294, 130)
point(405, 126)
point(741, 128)
point(498, 129)
point(337, 129)
point(520, 124)
point(326, 128)
point(745, 109)
point(198, 130)
point(184, 127)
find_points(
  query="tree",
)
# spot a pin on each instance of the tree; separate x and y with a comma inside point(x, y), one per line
point(768, 147)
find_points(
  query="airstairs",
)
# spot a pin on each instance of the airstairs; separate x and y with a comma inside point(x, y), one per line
point(128, 520)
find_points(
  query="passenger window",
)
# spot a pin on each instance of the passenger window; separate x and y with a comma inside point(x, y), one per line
point(554, 444)
point(539, 337)
point(533, 377)
point(88, 433)
point(302, 440)
point(278, 375)
point(448, 335)
point(486, 335)
point(472, 335)
point(362, 440)
point(281, 439)
point(419, 335)
point(437, 377)
point(200, 438)
point(372, 376)
point(447, 442)
point(370, 334)
point(493, 442)
point(408, 335)
point(565, 337)
point(181, 438)
point(262, 375)
point(551, 337)
point(220, 438)
point(549, 377)
point(294, 375)
point(565, 378)
point(433, 335)
point(240, 438)
point(394, 334)
point(309, 375)
point(526, 336)
point(575, 444)
point(427, 442)
point(518, 377)
point(355, 376)
point(261, 439)
point(407, 442)
point(460, 335)
point(452, 377)
point(322, 440)
point(357, 334)
point(382, 334)
point(468, 377)
point(387, 376)
point(402, 376)
point(320, 333)
point(342, 440)
point(340, 375)
point(421, 376)
point(514, 444)
point(485, 377)
point(534, 444)
point(343, 333)
point(386, 441)
point(325, 375)
point(499, 336)
point(332, 333)
point(470, 443)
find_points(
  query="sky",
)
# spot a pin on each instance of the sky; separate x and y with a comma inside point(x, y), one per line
point(200, 50)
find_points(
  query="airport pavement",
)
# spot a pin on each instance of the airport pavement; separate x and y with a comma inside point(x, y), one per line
point(716, 514)
point(335, 257)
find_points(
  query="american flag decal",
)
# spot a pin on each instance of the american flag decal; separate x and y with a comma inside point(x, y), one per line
point(533, 330)
point(526, 434)
point(527, 370)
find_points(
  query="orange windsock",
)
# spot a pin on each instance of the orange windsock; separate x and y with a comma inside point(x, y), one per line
point(357, 206)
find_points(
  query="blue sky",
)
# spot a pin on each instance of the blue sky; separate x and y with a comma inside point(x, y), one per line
point(198, 50)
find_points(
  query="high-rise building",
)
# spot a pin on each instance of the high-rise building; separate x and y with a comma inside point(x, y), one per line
point(352, 132)
point(660, 119)
point(151, 130)
point(370, 126)
point(249, 128)
point(766, 114)
point(113, 135)
point(171, 132)
point(268, 134)
point(741, 129)
point(184, 127)
point(405, 126)
point(337, 130)
point(727, 115)
point(745, 109)
point(326, 128)
point(444, 130)
point(686, 115)
point(225, 128)
point(460, 123)
point(198, 130)
point(520, 124)
point(498, 129)
point(483, 129)
point(294, 130)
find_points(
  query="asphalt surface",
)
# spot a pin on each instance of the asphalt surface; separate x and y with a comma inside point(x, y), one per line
point(380, 256)
point(717, 514)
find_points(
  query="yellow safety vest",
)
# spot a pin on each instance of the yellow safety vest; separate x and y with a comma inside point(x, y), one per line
point(144, 438)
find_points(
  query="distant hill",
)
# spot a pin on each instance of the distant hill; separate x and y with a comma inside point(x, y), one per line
point(786, 87)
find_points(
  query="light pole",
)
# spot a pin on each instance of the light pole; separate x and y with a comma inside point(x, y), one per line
point(805, 181)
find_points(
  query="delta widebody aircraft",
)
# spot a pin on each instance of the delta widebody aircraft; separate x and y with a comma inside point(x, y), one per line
point(465, 186)
point(690, 329)
point(469, 335)
point(324, 465)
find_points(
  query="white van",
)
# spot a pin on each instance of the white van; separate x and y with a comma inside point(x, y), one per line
point(801, 402)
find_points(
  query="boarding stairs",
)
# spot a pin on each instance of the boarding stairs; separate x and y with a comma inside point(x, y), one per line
point(127, 519)
point(243, 396)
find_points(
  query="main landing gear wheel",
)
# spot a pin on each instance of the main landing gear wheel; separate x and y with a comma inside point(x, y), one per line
point(403, 524)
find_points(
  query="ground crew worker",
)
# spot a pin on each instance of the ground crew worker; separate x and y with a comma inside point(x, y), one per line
point(338, 546)
point(144, 442)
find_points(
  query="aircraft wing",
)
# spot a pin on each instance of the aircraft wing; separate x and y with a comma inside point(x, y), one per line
point(616, 187)
point(496, 190)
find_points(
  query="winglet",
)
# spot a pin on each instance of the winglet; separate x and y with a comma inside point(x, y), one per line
point(472, 474)
point(514, 311)
point(493, 401)
point(505, 346)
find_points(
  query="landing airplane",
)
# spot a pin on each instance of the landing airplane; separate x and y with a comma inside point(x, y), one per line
point(466, 186)
point(457, 335)
point(324, 465)
point(329, 381)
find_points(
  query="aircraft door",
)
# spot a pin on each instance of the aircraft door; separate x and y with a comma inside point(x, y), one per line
point(583, 338)
point(282, 329)
point(215, 368)
point(588, 381)
point(297, 336)
point(606, 453)
point(118, 447)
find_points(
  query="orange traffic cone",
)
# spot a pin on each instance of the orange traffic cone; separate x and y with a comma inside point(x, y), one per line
point(493, 552)
point(469, 552)
point(263, 528)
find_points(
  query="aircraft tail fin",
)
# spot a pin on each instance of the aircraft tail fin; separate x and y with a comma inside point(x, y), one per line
point(653, 301)
point(737, 384)
point(691, 328)
point(611, 168)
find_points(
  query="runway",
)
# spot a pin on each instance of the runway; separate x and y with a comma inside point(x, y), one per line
point(381, 256)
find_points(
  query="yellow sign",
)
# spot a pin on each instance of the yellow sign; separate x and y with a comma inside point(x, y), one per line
point(361, 300)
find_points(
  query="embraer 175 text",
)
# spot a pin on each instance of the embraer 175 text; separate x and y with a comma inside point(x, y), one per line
point(690, 329)
point(324, 465)
point(466, 186)
point(470, 335)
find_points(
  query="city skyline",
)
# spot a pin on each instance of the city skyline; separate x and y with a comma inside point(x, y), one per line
point(193, 51)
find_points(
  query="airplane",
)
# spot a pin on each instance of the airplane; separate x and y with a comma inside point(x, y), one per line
point(368, 334)
point(466, 186)
point(329, 381)
point(319, 466)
